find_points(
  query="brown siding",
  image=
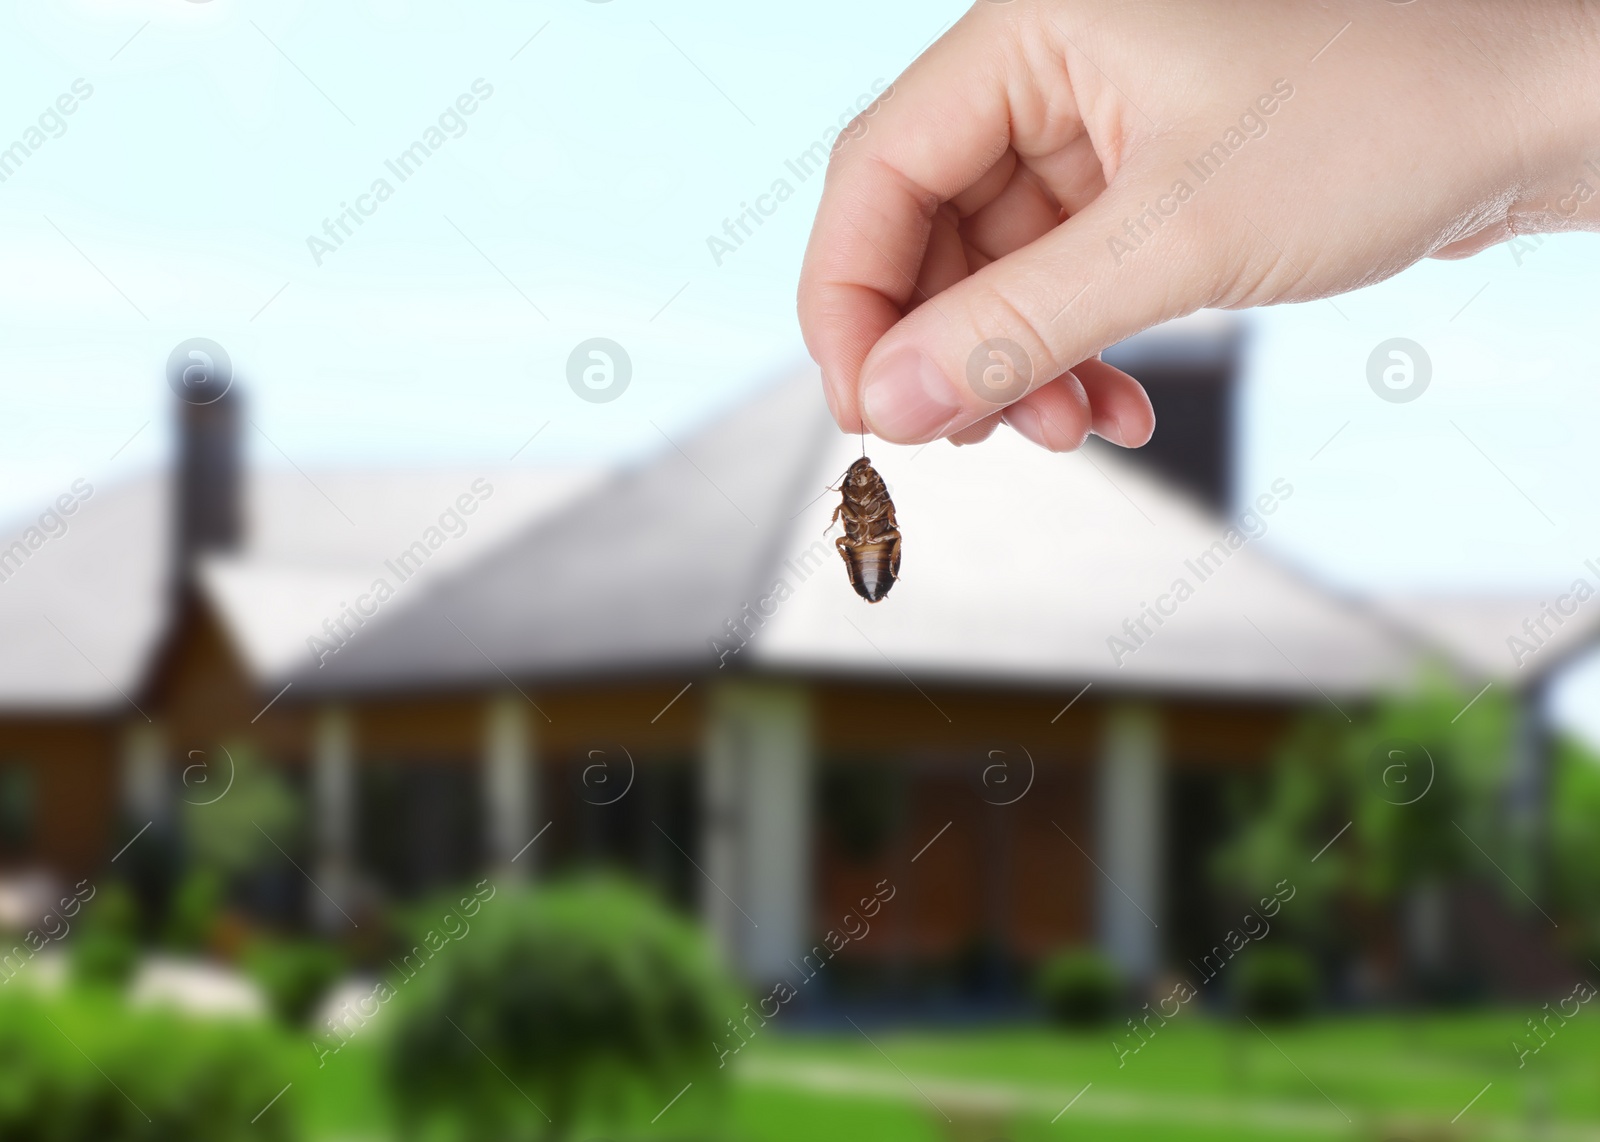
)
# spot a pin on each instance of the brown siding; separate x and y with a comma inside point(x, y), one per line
point(73, 763)
point(1018, 872)
point(204, 700)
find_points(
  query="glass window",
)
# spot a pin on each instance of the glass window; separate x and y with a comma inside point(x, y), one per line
point(16, 806)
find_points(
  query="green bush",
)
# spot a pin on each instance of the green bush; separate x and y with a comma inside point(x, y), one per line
point(294, 974)
point(196, 908)
point(234, 832)
point(154, 1077)
point(597, 1003)
point(1276, 983)
point(1080, 987)
point(106, 949)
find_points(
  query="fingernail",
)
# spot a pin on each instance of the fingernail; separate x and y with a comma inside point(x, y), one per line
point(827, 395)
point(908, 398)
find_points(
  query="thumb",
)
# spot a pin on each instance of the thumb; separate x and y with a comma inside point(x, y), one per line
point(1134, 257)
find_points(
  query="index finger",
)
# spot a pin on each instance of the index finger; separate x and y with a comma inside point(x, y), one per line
point(937, 130)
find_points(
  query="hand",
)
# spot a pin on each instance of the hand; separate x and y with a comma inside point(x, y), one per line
point(1053, 176)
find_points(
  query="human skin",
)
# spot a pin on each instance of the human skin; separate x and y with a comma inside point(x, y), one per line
point(985, 196)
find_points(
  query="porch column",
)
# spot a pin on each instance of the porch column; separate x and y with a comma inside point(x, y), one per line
point(756, 848)
point(333, 792)
point(1129, 823)
point(144, 772)
point(509, 785)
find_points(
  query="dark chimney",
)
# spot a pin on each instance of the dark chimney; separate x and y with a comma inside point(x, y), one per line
point(1190, 369)
point(209, 482)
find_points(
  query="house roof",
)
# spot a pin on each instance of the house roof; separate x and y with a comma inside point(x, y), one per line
point(635, 575)
point(1020, 567)
point(1514, 638)
point(82, 617)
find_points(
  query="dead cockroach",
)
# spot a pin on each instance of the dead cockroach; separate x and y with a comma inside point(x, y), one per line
point(870, 545)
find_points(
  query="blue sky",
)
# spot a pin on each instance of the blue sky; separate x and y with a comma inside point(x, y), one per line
point(576, 202)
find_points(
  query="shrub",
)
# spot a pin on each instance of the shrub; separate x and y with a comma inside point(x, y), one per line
point(590, 997)
point(106, 948)
point(294, 974)
point(1276, 983)
point(240, 807)
point(1080, 987)
point(196, 908)
point(154, 1075)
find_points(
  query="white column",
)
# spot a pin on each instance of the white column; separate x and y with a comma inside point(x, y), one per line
point(509, 785)
point(333, 781)
point(1129, 824)
point(757, 840)
point(144, 772)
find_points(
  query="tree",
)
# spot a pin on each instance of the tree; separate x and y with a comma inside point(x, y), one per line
point(1410, 787)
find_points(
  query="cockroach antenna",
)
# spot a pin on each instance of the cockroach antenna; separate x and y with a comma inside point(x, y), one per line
point(863, 442)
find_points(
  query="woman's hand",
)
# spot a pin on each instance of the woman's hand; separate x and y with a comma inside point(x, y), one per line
point(1053, 176)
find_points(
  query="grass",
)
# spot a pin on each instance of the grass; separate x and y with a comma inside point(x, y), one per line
point(1196, 1080)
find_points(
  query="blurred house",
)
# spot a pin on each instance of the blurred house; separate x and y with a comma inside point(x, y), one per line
point(521, 668)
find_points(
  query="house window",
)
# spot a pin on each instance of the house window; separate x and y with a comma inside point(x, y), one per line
point(16, 807)
point(420, 824)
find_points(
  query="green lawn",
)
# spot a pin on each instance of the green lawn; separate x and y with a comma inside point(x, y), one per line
point(1388, 1080)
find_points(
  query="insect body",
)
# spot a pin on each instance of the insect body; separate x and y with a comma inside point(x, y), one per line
point(870, 545)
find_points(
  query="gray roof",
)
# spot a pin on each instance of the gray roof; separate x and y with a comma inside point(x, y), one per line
point(1020, 568)
point(80, 617)
point(635, 575)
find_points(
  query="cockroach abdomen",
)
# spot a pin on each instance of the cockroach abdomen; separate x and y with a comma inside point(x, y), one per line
point(873, 569)
point(870, 545)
